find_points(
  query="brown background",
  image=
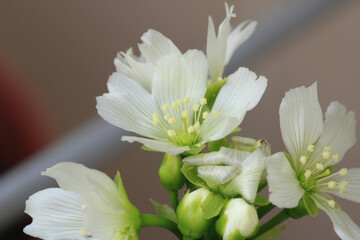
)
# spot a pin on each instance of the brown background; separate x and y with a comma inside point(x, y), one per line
point(64, 50)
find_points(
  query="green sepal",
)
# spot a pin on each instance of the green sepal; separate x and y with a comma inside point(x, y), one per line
point(261, 201)
point(212, 92)
point(212, 205)
point(216, 145)
point(193, 150)
point(190, 172)
point(272, 233)
point(299, 211)
point(237, 129)
point(120, 186)
point(310, 205)
point(143, 147)
point(164, 210)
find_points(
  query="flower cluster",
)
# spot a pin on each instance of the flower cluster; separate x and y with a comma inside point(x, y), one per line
point(182, 105)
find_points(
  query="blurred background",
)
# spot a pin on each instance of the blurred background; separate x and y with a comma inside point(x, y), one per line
point(56, 56)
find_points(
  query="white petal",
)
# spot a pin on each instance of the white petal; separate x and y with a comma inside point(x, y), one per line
point(344, 226)
point(217, 175)
point(339, 130)
point(238, 36)
point(352, 191)
point(241, 92)
point(56, 214)
point(155, 45)
point(129, 106)
point(284, 188)
point(135, 68)
point(177, 77)
point(161, 146)
point(106, 219)
point(224, 156)
point(301, 120)
point(247, 182)
point(77, 178)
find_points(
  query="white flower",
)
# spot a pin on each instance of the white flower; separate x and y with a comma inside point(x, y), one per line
point(220, 48)
point(161, 94)
point(230, 172)
point(89, 205)
point(173, 116)
point(314, 146)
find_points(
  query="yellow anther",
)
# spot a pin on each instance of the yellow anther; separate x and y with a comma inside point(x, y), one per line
point(307, 173)
point(342, 186)
point(179, 102)
point(191, 129)
point(83, 207)
point(335, 158)
point(156, 120)
point(319, 166)
point(331, 203)
point(203, 101)
point(165, 107)
point(205, 115)
point(196, 107)
point(331, 184)
point(174, 105)
point(185, 114)
point(311, 148)
point(343, 171)
point(219, 79)
point(171, 133)
point(197, 126)
point(303, 160)
point(155, 115)
point(171, 120)
point(215, 114)
point(186, 100)
point(167, 117)
point(82, 232)
point(327, 149)
point(326, 155)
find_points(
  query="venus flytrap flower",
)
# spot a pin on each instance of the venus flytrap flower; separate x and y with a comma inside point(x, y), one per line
point(220, 48)
point(230, 172)
point(88, 205)
point(174, 116)
point(162, 95)
point(314, 147)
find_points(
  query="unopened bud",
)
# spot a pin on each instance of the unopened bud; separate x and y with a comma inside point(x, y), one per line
point(238, 220)
point(169, 173)
point(191, 220)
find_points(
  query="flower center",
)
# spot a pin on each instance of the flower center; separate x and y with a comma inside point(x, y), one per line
point(182, 121)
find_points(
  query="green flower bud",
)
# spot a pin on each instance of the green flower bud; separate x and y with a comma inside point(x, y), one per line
point(169, 172)
point(238, 220)
point(191, 220)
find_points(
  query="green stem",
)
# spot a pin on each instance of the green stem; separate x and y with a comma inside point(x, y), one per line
point(279, 218)
point(262, 211)
point(150, 220)
point(174, 199)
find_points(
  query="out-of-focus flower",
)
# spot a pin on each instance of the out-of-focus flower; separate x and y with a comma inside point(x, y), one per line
point(89, 205)
point(314, 147)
